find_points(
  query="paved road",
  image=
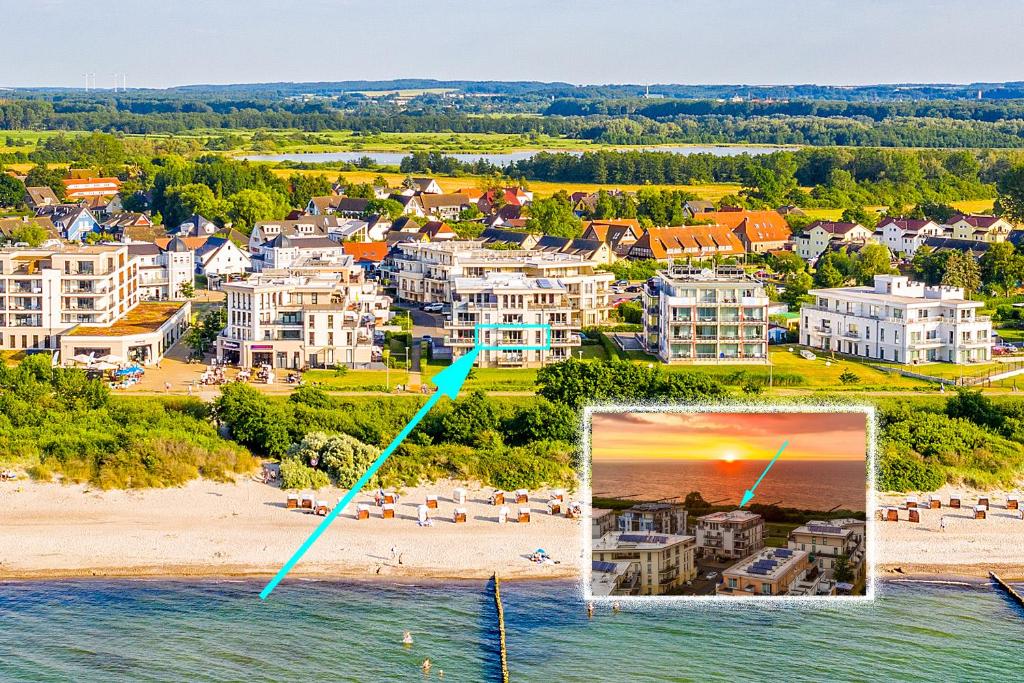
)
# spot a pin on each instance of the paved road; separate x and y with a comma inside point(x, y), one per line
point(427, 323)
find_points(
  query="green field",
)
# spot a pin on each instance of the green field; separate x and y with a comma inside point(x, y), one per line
point(357, 380)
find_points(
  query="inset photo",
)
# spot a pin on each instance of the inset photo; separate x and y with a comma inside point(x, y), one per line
point(755, 502)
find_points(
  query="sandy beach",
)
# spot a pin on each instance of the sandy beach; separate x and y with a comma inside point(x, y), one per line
point(244, 529)
point(49, 530)
point(967, 547)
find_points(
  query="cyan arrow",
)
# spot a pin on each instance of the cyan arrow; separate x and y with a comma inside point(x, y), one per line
point(448, 383)
point(749, 493)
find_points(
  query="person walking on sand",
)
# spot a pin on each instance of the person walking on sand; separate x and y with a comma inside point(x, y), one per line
point(394, 553)
point(942, 523)
point(167, 387)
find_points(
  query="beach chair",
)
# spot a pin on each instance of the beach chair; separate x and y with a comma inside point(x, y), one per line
point(911, 502)
point(554, 506)
point(432, 502)
point(980, 512)
point(983, 502)
point(559, 495)
point(522, 496)
point(421, 514)
point(574, 510)
point(880, 515)
point(497, 498)
point(914, 515)
point(390, 498)
point(524, 516)
point(954, 502)
point(362, 511)
point(503, 514)
point(459, 496)
point(293, 501)
point(1013, 503)
point(306, 501)
point(892, 515)
point(388, 511)
point(934, 502)
point(459, 516)
point(322, 508)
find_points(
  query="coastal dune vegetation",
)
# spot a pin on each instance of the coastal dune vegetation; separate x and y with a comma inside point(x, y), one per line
point(56, 421)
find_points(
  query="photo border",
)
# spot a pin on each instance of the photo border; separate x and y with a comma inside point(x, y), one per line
point(732, 602)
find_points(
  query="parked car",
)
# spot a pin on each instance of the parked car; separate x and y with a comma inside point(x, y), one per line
point(620, 283)
point(433, 308)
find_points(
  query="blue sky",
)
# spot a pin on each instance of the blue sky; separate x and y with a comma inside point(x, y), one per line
point(173, 42)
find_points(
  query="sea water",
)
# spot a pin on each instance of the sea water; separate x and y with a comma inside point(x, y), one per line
point(88, 630)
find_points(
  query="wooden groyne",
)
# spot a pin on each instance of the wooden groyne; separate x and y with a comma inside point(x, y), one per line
point(1007, 588)
point(501, 628)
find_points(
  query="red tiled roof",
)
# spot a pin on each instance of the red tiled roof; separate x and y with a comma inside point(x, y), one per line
point(366, 251)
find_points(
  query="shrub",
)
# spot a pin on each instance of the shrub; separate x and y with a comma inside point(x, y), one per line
point(906, 473)
point(295, 475)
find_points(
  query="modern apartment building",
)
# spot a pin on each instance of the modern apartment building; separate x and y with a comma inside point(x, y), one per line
point(693, 315)
point(312, 315)
point(826, 541)
point(663, 562)
point(163, 273)
point(45, 292)
point(772, 572)
point(661, 518)
point(732, 534)
point(425, 272)
point(897, 320)
point(535, 315)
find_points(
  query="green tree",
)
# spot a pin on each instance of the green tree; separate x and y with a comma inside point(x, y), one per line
point(42, 176)
point(962, 271)
point(858, 214)
point(826, 275)
point(470, 418)
point(305, 186)
point(12, 190)
point(928, 265)
point(1002, 268)
point(554, 216)
point(849, 377)
point(543, 421)
point(204, 332)
point(183, 201)
point(254, 422)
point(786, 262)
point(871, 260)
point(842, 572)
point(248, 207)
point(797, 287)
point(1010, 187)
point(391, 209)
point(30, 233)
point(344, 458)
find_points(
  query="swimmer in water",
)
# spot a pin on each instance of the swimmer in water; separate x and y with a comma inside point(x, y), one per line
point(407, 638)
point(615, 607)
point(426, 666)
point(590, 610)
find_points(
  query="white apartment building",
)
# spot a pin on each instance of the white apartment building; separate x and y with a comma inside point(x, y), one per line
point(897, 320)
point(45, 292)
point(817, 236)
point(163, 272)
point(425, 272)
point(826, 541)
point(732, 534)
point(534, 314)
point(906, 235)
point(661, 562)
point(312, 315)
point(693, 316)
point(662, 518)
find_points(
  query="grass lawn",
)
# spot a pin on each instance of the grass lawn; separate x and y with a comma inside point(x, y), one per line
point(489, 379)
point(357, 380)
point(1010, 333)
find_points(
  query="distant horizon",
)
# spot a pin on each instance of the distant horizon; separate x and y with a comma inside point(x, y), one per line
point(574, 41)
point(728, 437)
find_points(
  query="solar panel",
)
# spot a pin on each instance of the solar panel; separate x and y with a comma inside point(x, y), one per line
point(544, 283)
point(825, 529)
point(642, 538)
point(782, 552)
point(599, 566)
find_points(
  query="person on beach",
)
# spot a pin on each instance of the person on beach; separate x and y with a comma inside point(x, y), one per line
point(590, 610)
point(942, 523)
point(394, 553)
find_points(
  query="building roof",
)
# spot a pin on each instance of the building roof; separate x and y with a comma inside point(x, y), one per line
point(440, 201)
point(755, 226)
point(975, 247)
point(767, 565)
point(147, 316)
point(834, 227)
point(435, 228)
point(978, 221)
point(511, 236)
point(366, 251)
point(39, 196)
point(143, 249)
point(190, 243)
point(730, 516)
point(664, 243)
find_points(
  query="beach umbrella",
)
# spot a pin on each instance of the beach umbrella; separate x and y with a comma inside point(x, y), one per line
point(540, 551)
point(84, 358)
point(110, 358)
point(102, 365)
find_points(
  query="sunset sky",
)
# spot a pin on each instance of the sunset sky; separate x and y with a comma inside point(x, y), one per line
point(728, 436)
